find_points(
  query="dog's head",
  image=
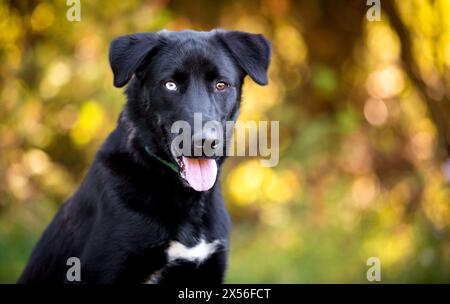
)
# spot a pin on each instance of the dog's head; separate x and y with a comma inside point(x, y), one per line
point(187, 79)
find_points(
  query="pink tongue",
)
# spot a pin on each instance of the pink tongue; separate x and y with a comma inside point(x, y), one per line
point(200, 172)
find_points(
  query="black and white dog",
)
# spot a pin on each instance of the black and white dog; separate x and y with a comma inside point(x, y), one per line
point(143, 213)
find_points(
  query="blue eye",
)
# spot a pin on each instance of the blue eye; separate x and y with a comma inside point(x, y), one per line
point(170, 85)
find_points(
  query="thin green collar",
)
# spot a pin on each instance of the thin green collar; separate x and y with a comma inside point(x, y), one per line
point(171, 165)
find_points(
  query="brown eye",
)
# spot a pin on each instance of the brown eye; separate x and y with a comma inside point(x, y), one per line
point(220, 86)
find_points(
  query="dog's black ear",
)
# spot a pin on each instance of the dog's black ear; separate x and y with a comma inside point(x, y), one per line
point(251, 51)
point(126, 53)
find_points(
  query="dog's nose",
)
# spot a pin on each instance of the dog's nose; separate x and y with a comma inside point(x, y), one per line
point(206, 139)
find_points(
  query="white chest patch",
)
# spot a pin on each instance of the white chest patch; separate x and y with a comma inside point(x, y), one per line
point(179, 252)
point(197, 254)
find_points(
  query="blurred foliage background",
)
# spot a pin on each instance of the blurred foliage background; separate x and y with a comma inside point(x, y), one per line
point(364, 119)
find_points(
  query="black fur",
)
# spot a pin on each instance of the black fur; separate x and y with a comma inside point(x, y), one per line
point(130, 205)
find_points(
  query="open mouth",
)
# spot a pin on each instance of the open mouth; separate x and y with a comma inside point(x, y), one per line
point(199, 172)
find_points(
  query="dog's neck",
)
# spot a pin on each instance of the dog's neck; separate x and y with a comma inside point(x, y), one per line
point(125, 158)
